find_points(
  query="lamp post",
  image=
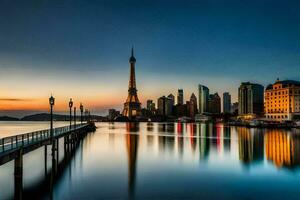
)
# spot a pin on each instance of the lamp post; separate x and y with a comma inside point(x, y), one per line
point(81, 112)
point(70, 106)
point(51, 102)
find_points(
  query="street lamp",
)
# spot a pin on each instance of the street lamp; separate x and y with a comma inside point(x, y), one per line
point(81, 112)
point(70, 106)
point(51, 102)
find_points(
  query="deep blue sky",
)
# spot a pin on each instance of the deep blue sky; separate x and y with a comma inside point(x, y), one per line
point(67, 44)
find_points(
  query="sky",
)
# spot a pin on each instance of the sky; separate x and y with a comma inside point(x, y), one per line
point(80, 49)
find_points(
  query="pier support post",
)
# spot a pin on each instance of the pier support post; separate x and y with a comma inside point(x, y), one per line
point(45, 155)
point(57, 150)
point(53, 155)
point(19, 175)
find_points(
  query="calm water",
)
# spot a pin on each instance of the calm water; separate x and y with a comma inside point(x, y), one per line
point(11, 128)
point(170, 161)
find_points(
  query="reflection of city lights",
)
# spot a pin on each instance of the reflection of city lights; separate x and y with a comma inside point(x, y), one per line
point(179, 128)
point(279, 148)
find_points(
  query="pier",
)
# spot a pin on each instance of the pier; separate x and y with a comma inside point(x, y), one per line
point(14, 147)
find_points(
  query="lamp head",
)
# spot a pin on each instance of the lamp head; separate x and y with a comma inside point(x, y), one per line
point(51, 100)
point(71, 103)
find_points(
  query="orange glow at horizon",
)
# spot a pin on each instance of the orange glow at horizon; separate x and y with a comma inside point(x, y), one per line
point(61, 103)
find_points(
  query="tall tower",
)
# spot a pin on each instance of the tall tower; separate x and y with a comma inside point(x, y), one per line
point(180, 97)
point(132, 106)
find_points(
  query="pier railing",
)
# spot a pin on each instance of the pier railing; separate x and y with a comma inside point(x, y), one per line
point(17, 141)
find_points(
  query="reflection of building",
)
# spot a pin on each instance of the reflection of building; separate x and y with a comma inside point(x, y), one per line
point(251, 145)
point(282, 100)
point(132, 149)
point(132, 106)
point(204, 144)
point(226, 139)
point(251, 99)
point(193, 139)
point(180, 97)
point(214, 103)
point(203, 93)
point(282, 148)
point(226, 102)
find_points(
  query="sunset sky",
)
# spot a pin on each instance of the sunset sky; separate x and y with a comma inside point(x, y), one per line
point(80, 49)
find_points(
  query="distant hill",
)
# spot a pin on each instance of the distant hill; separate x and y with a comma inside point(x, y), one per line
point(45, 117)
point(6, 118)
point(57, 117)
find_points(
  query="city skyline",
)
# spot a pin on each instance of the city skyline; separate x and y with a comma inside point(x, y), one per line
point(80, 50)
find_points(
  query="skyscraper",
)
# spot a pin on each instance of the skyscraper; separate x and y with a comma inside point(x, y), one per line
point(165, 106)
point(171, 96)
point(132, 106)
point(193, 106)
point(251, 99)
point(150, 105)
point(214, 103)
point(203, 93)
point(226, 102)
point(180, 97)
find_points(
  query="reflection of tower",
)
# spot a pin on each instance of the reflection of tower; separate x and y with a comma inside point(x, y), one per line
point(251, 145)
point(132, 106)
point(132, 148)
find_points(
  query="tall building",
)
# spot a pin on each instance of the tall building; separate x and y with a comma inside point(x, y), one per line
point(193, 106)
point(181, 110)
point(132, 106)
point(203, 94)
point(171, 96)
point(161, 105)
point(150, 105)
point(234, 108)
point(226, 102)
point(180, 97)
point(251, 99)
point(214, 103)
point(165, 106)
point(282, 100)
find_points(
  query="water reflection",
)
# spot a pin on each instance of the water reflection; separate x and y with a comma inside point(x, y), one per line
point(282, 148)
point(145, 160)
point(132, 141)
point(251, 145)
